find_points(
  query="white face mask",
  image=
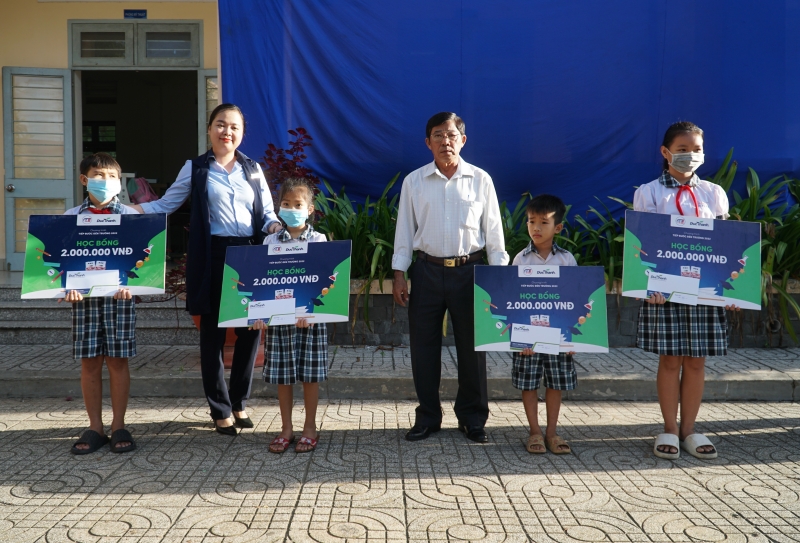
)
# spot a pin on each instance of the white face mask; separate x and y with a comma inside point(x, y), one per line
point(687, 162)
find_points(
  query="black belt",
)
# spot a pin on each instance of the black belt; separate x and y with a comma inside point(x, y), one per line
point(451, 262)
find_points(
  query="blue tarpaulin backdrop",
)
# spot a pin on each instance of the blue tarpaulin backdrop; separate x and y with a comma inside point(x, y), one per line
point(571, 98)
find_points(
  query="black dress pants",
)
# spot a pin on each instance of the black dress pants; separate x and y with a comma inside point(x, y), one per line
point(434, 289)
point(221, 398)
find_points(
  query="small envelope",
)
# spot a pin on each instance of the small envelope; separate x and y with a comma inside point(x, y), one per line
point(541, 339)
point(273, 312)
point(681, 290)
point(77, 280)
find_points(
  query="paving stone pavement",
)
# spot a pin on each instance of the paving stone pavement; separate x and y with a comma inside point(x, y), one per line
point(369, 372)
point(189, 484)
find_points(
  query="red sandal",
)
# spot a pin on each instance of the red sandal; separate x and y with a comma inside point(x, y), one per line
point(281, 442)
point(311, 442)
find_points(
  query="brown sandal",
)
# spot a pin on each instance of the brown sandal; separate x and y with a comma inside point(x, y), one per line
point(555, 443)
point(535, 441)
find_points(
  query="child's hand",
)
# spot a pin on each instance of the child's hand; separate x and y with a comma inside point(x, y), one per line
point(656, 298)
point(733, 307)
point(302, 322)
point(123, 294)
point(527, 351)
point(73, 296)
point(259, 325)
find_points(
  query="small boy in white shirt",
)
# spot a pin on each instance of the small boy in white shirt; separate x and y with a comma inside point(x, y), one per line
point(545, 216)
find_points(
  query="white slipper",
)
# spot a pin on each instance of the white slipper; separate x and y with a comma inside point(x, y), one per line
point(669, 440)
point(692, 442)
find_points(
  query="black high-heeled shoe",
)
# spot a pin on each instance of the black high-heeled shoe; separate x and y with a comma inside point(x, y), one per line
point(225, 430)
point(243, 422)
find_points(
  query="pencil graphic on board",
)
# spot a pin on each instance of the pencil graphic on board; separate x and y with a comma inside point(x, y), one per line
point(57, 276)
point(45, 253)
point(490, 303)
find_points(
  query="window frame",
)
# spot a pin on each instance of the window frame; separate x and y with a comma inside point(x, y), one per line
point(136, 44)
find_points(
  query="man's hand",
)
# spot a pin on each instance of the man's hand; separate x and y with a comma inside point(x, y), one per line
point(137, 207)
point(275, 227)
point(123, 294)
point(400, 288)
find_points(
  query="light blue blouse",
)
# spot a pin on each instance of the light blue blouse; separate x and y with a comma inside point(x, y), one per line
point(230, 199)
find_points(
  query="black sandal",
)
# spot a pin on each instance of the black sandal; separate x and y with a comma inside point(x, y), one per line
point(91, 438)
point(118, 436)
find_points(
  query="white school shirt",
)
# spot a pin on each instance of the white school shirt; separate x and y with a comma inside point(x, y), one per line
point(309, 234)
point(557, 256)
point(448, 217)
point(659, 196)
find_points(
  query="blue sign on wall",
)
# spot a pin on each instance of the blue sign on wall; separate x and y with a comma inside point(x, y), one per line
point(136, 14)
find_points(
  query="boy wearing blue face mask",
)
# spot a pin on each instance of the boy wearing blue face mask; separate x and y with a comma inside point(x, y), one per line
point(299, 352)
point(103, 327)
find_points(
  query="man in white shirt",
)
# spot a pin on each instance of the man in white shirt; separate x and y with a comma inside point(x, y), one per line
point(448, 215)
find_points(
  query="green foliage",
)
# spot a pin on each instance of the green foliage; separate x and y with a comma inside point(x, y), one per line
point(370, 226)
point(515, 225)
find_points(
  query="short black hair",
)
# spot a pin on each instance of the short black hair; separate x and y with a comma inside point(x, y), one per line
point(544, 204)
point(675, 129)
point(293, 183)
point(443, 117)
point(100, 161)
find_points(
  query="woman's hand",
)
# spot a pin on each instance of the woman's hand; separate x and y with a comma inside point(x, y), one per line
point(123, 294)
point(302, 322)
point(259, 325)
point(527, 351)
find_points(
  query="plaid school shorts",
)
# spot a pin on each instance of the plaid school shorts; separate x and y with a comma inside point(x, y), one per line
point(103, 326)
point(682, 330)
point(294, 354)
point(558, 370)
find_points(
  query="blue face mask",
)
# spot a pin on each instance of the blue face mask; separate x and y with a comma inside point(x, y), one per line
point(293, 218)
point(104, 189)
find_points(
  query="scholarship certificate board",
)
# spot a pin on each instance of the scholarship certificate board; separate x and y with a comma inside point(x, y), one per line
point(549, 309)
point(692, 261)
point(279, 283)
point(94, 254)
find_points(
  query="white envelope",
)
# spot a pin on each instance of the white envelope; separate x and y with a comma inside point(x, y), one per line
point(541, 339)
point(681, 290)
point(78, 280)
point(273, 312)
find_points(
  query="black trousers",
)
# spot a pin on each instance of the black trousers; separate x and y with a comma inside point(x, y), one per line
point(435, 289)
point(222, 399)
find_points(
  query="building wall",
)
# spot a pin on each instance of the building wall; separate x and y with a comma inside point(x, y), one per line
point(35, 34)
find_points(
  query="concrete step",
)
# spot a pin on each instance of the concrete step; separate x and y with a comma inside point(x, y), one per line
point(58, 332)
point(50, 310)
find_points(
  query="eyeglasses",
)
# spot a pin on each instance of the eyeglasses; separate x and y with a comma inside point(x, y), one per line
point(439, 137)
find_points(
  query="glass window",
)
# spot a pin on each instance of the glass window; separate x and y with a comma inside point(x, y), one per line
point(168, 44)
point(102, 44)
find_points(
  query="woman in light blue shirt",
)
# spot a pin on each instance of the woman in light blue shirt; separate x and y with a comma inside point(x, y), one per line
point(231, 205)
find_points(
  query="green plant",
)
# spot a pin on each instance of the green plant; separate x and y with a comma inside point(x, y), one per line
point(370, 227)
point(780, 236)
point(601, 246)
point(515, 225)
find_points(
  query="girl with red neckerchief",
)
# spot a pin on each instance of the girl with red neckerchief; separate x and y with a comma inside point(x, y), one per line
point(682, 335)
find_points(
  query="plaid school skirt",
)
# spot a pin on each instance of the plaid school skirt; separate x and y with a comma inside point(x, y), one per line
point(294, 354)
point(682, 330)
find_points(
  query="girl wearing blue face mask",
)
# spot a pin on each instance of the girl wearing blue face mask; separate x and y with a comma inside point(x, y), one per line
point(299, 352)
point(682, 335)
